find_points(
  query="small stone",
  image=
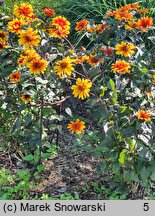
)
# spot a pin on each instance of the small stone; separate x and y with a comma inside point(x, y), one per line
point(20, 165)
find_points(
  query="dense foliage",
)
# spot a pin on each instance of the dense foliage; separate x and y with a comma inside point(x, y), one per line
point(97, 85)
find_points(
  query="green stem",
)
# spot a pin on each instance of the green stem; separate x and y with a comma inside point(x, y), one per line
point(41, 127)
point(107, 113)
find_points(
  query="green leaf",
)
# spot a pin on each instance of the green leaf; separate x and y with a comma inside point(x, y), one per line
point(114, 97)
point(87, 148)
point(132, 143)
point(145, 173)
point(101, 166)
point(133, 176)
point(40, 168)
point(115, 167)
point(153, 176)
point(38, 152)
point(122, 156)
point(16, 125)
point(122, 109)
point(112, 84)
point(144, 70)
point(28, 157)
point(38, 143)
point(46, 155)
point(128, 132)
point(126, 176)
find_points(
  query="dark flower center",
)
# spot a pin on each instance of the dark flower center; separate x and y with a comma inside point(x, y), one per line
point(37, 65)
point(63, 65)
point(81, 88)
point(125, 48)
point(28, 38)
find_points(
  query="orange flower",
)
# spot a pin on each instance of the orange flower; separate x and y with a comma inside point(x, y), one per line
point(15, 77)
point(133, 6)
point(93, 60)
point(124, 12)
point(102, 48)
point(21, 61)
point(58, 32)
point(111, 13)
point(145, 23)
point(15, 26)
point(2, 44)
point(62, 22)
point(109, 51)
point(125, 49)
point(143, 11)
point(123, 15)
point(94, 28)
point(77, 126)
point(26, 98)
point(60, 27)
point(23, 11)
point(131, 25)
point(144, 115)
point(82, 59)
point(49, 12)
point(81, 25)
point(3, 35)
point(29, 38)
point(121, 67)
point(26, 56)
point(37, 66)
point(153, 76)
point(101, 28)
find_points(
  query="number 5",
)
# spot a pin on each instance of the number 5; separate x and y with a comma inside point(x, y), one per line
point(146, 207)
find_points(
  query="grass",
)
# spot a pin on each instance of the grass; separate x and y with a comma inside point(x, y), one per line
point(9, 4)
point(77, 10)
